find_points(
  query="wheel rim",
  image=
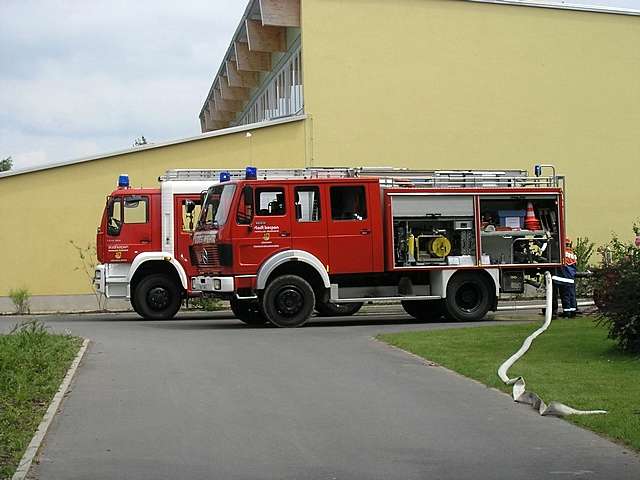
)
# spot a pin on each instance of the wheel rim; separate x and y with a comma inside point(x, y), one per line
point(289, 301)
point(469, 297)
point(158, 298)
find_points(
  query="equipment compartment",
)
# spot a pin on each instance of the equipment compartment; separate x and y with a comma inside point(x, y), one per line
point(519, 230)
point(433, 230)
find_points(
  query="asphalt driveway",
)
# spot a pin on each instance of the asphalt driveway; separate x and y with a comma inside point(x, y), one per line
point(205, 396)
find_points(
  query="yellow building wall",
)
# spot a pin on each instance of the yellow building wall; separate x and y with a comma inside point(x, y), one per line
point(447, 84)
point(41, 212)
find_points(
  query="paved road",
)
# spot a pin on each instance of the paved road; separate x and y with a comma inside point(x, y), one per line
point(206, 397)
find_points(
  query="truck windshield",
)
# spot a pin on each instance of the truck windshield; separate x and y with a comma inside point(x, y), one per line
point(217, 204)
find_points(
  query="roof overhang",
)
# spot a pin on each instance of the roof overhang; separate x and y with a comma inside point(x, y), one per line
point(217, 133)
point(623, 7)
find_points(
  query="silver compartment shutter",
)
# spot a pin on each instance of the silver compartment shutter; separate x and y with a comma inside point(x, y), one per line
point(422, 205)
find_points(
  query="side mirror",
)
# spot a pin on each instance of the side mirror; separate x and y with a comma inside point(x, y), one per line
point(248, 195)
point(190, 206)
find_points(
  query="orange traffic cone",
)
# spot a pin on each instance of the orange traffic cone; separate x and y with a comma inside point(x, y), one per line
point(530, 221)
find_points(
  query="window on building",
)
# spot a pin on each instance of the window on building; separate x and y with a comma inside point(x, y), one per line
point(307, 202)
point(348, 203)
point(270, 201)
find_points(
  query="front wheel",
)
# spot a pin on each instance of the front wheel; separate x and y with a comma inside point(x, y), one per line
point(469, 297)
point(247, 311)
point(288, 301)
point(157, 297)
point(337, 309)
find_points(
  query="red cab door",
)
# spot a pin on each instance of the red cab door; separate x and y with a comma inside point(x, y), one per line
point(129, 229)
point(268, 232)
point(309, 223)
point(349, 229)
point(184, 224)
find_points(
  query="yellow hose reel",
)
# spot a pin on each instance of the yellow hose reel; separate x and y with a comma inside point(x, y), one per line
point(439, 247)
point(428, 246)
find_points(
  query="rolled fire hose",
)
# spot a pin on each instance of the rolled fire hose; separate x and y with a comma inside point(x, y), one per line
point(520, 394)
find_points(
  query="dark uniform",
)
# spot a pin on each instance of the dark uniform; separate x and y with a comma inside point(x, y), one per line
point(568, 290)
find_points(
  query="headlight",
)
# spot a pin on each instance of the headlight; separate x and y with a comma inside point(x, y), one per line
point(217, 284)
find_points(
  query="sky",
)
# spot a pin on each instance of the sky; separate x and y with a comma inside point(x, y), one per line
point(78, 78)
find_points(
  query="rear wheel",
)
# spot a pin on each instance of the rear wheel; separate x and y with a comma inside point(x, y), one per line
point(247, 311)
point(469, 297)
point(288, 301)
point(424, 310)
point(156, 297)
point(337, 309)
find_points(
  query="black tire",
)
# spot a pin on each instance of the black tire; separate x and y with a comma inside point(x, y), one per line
point(337, 309)
point(425, 310)
point(469, 297)
point(288, 301)
point(247, 311)
point(134, 305)
point(157, 297)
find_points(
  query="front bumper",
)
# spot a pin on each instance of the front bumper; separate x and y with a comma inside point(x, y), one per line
point(213, 284)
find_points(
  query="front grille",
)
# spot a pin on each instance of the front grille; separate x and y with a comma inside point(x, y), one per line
point(204, 256)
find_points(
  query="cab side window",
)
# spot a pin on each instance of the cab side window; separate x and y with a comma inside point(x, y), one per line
point(188, 219)
point(114, 223)
point(270, 201)
point(307, 204)
point(136, 209)
point(348, 203)
point(244, 215)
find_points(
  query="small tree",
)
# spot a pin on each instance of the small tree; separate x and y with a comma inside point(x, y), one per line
point(140, 141)
point(617, 291)
point(88, 263)
point(6, 164)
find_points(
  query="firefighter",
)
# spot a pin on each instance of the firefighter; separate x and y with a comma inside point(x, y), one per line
point(568, 290)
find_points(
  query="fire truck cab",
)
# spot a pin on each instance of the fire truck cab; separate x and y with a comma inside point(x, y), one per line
point(143, 242)
point(444, 244)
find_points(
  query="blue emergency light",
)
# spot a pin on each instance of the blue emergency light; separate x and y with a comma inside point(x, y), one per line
point(251, 173)
point(538, 170)
point(225, 176)
point(123, 181)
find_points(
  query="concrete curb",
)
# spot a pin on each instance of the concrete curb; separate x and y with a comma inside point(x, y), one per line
point(38, 437)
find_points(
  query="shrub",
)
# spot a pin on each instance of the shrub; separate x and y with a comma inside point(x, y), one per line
point(617, 292)
point(584, 251)
point(21, 299)
point(208, 304)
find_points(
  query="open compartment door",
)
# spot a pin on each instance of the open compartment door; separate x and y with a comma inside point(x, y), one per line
point(520, 230)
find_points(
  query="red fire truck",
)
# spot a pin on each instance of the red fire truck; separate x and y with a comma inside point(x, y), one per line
point(442, 243)
point(143, 241)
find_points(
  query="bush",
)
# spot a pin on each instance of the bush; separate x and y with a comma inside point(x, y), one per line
point(617, 292)
point(208, 304)
point(584, 252)
point(21, 299)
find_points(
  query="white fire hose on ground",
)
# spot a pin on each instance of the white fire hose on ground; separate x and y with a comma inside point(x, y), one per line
point(520, 394)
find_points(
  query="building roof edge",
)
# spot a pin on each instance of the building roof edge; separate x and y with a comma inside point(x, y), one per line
point(215, 133)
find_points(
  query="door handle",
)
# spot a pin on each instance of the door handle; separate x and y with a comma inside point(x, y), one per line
point(145, 240)
point(365, 232)
point(284, 234)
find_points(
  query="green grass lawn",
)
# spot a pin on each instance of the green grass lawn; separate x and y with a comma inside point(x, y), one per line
point(33, 363)
point(573, 362)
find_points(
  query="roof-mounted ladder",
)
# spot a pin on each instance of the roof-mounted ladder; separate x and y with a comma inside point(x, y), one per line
point(388, 176)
